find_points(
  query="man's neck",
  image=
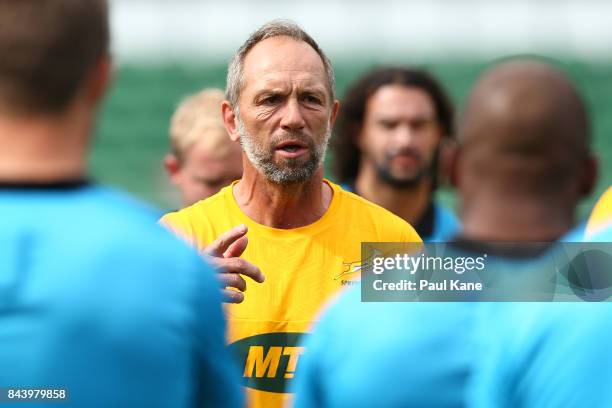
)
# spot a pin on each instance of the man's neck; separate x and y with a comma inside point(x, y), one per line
point(408, 203)
point(282, 206)
point(520, 220)
point(41, 150)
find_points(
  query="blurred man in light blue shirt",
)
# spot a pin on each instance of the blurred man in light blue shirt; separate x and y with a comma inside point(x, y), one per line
point(523, 165)
point(392, 124)
point(99, 306)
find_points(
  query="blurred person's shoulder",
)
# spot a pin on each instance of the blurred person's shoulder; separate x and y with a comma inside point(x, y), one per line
point(99, 242)
point(446, 224)
point(113, 222)
point(395, 340)
point(78, 205)
point(569, 339)
point(133, 248)
point(364, 215)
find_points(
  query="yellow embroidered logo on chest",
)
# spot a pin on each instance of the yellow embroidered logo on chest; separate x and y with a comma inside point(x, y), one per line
point(349, 268)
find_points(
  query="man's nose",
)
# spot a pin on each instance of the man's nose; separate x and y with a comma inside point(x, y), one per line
point(404, 136)
point(292, 116)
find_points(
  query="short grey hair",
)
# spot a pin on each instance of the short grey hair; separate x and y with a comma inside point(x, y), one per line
point(275, 28)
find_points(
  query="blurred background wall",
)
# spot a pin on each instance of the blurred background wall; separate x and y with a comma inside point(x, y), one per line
point(167, 49)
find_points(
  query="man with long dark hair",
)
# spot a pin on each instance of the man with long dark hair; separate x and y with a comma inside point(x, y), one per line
point(391, 125)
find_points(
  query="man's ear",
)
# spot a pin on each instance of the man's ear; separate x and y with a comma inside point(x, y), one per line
point(589, 178)
point(230, 121)
point(99, 80)
point(173, 167)
point(334, 113)
point(451, 154)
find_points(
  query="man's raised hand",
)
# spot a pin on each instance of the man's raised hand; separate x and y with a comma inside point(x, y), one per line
point(224, 255)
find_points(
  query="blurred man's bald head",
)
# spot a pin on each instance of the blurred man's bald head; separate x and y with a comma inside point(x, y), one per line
point(524, 138)
point(526, 101)
point(525, 123)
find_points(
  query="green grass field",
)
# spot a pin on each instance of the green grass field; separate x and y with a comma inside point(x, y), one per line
point(132, 134)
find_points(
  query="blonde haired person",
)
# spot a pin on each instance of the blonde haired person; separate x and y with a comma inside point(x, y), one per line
point(203, 158)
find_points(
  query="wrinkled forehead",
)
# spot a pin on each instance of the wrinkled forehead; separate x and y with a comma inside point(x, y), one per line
point(282, 61)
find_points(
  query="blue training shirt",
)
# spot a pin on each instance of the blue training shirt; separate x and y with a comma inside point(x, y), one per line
point(547, 355)
point(97, 299)
point(446, 225)
point(457, 354)
point(388, 355)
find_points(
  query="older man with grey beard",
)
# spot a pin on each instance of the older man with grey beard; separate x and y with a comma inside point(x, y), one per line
point(305, 232)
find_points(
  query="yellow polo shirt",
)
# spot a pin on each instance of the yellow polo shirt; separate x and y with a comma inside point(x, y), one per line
point(303, 266)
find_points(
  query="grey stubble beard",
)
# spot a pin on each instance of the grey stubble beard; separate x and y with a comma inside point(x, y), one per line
point(263, 160)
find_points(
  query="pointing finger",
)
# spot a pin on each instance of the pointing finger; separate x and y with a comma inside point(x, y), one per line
point(223, 242)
